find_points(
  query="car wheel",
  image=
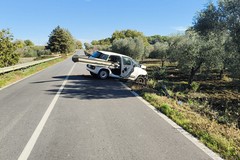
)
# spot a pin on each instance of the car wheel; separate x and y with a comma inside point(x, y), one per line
point(103, 74)
point(141, 80)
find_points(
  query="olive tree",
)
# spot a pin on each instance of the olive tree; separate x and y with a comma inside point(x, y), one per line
point(160, 51)
point(230, 14)
point(195, 51)
point(133, 47)
point(147, 51)
point(208, 20)
point(223, 21)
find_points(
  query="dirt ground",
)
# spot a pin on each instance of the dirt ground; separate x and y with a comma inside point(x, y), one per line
point(215, 97)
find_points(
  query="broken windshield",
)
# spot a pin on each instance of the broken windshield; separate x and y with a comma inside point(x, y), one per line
point(99, 55)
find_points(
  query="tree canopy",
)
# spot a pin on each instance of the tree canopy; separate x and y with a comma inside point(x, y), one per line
point(19, 43)
point(193, 52)
point(223, 22)
point(230, 12)
point(78, 44)
point(207, 20)
point(129, 34)
point(61, 40)
point(156, 38)
point(106, 41)
point(133, 47)
point(160, 51)
point(8, 56)
point(28, 43)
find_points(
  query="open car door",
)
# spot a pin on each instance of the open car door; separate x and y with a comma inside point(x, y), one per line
point(127, 67)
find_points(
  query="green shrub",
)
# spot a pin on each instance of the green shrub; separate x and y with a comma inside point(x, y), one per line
point(8, 55)
point(151, 83)
point(166, 109)
point(158, 73)
point(195, 86)
point(29, 52)
point(133, 47)
point(43, 52)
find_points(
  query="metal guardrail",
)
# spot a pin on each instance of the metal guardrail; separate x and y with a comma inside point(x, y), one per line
point(24, 65)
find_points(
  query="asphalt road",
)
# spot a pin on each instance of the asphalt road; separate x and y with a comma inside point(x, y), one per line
point(90, 120)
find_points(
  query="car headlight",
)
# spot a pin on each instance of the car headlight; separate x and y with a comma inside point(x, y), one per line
point(91, 66)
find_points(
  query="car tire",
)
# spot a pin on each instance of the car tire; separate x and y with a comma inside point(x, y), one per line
point(141, 80)
point(103, 74)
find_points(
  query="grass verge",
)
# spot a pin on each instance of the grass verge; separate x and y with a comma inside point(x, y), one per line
point(11, 77)
point(220, 138)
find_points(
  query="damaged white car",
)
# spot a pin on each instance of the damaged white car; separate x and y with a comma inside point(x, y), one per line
point(105, 64)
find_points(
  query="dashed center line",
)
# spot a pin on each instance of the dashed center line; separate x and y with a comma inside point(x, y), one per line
point(32, 141)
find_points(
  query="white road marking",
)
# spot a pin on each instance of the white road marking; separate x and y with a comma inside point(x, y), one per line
point(194, 140)
point(29, 146)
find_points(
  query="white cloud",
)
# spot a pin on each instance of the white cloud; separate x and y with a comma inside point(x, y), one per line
point(180, 28)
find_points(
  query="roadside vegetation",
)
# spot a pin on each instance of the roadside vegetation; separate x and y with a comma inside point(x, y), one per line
point(209, 110)
point(11, 77)
point(12, 52)
point(194, 77)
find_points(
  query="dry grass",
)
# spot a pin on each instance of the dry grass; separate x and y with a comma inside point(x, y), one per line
point(222, 139)
point(11, 77)
point(210, 112)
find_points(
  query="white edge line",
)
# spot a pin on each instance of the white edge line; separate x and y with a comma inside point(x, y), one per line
point(29, 146)
point(194, 140)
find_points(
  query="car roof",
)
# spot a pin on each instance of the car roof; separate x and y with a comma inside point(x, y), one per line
point(112, 53)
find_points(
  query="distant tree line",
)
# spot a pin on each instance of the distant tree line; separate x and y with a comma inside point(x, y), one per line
point(60, 41)
point(132, 43)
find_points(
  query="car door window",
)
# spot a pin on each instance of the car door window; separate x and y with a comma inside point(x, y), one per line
point(114, 59)
point(127, 61)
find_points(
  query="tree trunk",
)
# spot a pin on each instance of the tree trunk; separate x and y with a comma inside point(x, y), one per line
point(221, 74)
point(192, 74)
point(190, 78)
point(163, 63)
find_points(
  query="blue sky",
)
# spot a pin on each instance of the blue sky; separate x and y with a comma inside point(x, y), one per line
point(89, 20)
